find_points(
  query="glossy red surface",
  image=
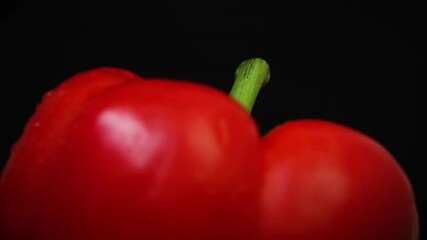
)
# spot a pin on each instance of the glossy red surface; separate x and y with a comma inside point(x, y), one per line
point(327, 181)
point(109, 155)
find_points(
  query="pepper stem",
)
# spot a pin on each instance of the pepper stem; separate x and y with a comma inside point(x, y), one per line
point(250, 76)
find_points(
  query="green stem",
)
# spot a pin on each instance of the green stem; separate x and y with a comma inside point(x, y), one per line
point(250, 76)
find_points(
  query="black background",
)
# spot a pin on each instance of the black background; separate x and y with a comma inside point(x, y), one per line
point(359, 63)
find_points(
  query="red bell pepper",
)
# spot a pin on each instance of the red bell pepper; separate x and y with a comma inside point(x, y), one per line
point(109, 155)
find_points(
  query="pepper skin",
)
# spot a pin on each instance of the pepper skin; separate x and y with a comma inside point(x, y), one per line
point(328, 181)
point(109, 155)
